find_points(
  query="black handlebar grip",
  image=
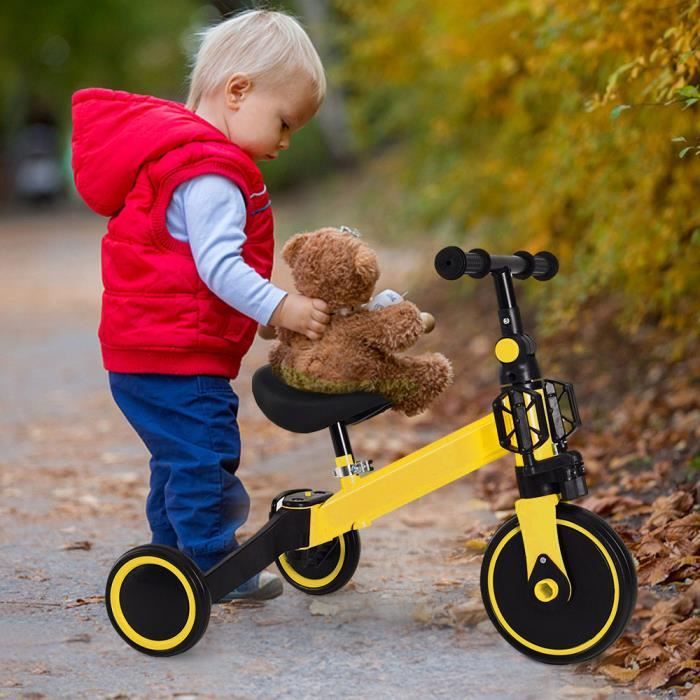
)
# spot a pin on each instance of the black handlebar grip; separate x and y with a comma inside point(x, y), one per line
point(478, 263)
point(451, 262)
point(546, 266)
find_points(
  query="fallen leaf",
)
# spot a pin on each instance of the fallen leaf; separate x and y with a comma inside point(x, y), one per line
point(82, 544)
point(417, 521)
point(650, 652)
point(476, 545)
point(446, 583)
point(650, 549)
point(462, 614)
point(688, 630)
point(466, 614)
point(32, 576)
point(666, 570)
point(620, 673)
point(319, 607)
point(668, 508)
point(612, 505)
point(90, 600)
point(616, 654)
point(658, 675)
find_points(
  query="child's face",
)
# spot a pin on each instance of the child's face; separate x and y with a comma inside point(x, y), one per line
point(261, 119)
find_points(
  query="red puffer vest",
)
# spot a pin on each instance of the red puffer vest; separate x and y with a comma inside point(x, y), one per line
point(129, 153)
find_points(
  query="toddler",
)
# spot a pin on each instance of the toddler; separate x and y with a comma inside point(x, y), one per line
point(186, 263)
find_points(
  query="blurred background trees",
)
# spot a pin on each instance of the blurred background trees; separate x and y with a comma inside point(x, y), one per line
point(544, 124)
point(527, 124)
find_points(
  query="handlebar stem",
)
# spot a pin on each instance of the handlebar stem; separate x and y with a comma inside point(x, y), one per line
point(508, 311)
point(525, 370)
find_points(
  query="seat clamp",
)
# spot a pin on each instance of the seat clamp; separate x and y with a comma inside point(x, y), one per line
point(364, 466)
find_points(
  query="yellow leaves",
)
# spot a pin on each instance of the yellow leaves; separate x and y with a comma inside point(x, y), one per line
point(506, 112)
point(476, 545)
point(441, 129)
point(508, 64)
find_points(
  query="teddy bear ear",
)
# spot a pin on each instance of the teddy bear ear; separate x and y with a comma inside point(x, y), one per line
point(293, 247)
point(366, 265)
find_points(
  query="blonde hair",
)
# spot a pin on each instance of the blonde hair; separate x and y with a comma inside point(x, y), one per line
point(264, 44)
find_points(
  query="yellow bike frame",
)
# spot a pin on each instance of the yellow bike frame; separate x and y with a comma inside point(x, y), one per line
point(364, 498)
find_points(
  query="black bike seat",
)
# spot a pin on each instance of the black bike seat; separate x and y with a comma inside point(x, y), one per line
point(308, 411)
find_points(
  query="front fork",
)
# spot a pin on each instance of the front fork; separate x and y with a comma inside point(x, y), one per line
point(546, 573)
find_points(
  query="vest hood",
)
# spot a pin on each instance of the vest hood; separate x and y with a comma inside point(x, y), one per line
point(116, 133)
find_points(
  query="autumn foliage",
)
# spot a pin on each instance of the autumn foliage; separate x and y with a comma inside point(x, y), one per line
point(536, 124)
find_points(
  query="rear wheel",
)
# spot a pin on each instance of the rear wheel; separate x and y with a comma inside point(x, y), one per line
point(157, 600)
point(324, 568)
point(543, 625)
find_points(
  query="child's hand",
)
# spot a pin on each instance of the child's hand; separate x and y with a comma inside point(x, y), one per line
point(302, 315)
point(267, 332)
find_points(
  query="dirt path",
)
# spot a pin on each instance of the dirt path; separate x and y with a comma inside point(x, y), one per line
point(73, 480)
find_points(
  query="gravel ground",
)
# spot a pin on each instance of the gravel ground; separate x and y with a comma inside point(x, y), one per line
point(73, 479)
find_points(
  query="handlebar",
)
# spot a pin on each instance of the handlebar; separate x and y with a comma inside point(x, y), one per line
point(452, 263)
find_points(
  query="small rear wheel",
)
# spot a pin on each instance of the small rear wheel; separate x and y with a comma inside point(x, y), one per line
point(324, 568)
point(603, 590)
point(157, 600)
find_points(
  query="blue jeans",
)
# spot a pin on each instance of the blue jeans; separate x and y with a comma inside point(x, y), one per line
point(189, 425)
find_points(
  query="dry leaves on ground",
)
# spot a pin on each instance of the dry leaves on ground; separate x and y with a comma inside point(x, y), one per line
point(665, 651)
point(461, 614)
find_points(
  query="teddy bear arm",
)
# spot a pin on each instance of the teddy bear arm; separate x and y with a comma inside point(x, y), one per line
point(393, 328)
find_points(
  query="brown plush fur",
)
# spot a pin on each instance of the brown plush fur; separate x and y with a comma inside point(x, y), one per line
point(358, 351)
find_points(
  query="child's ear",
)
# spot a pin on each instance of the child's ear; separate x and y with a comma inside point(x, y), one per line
point(293, 247)
point(236, 88)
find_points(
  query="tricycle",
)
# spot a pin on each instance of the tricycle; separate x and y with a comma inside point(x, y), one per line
point(556, 580)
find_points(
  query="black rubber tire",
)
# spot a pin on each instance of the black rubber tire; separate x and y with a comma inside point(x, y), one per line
point(571, 631)
point(157, 600)
point(323, 569)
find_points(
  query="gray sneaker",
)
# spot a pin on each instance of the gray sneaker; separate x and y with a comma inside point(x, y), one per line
point(263, 586)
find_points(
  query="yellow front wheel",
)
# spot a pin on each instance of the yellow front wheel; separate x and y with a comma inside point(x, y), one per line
point(324, 568)
point(157, 600)
point(533, 618)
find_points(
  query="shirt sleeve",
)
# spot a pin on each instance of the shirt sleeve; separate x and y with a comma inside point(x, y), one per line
point(214, 218)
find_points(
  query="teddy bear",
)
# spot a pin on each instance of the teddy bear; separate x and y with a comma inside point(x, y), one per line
point(358, 351)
